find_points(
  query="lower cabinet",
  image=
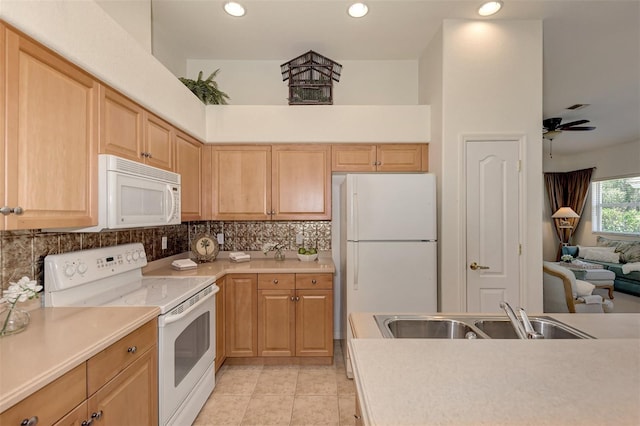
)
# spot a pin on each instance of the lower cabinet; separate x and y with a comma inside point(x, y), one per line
point(118, 386)
point(220, 324)
point(295, 315)
point(241, 315)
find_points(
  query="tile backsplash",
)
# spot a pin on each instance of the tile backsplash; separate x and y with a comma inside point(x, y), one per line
point(22, 253)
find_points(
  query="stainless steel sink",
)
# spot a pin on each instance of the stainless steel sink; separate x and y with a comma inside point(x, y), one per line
point(468, 327)
point(549, 328)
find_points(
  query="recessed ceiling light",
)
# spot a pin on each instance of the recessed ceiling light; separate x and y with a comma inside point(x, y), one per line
point(234, 9)
point(489, 8)
point(358, 10)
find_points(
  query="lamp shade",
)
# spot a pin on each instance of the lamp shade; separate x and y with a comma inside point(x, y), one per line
point(565, 213)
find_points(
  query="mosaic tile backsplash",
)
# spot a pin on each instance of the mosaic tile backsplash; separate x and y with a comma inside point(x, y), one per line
point(22, 253)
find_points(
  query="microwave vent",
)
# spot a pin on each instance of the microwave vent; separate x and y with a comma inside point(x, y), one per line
point(127, 166)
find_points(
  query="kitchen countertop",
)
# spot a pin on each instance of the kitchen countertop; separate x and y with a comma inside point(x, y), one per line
point(501, 381)
point(259, 264)
point(56, 341)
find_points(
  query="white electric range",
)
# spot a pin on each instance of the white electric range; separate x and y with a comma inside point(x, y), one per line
point(112, 276)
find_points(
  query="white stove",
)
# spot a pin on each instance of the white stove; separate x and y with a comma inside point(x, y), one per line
point(112, 276)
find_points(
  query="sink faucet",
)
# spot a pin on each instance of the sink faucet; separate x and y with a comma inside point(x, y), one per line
point(523, 332)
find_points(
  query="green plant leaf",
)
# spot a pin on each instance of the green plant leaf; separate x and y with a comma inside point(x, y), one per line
point(206, 90)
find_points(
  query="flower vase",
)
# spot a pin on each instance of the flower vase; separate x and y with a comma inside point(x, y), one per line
point(279, 255)
point(12, 320)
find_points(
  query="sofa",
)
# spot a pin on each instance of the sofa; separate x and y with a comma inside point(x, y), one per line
point(622, 257)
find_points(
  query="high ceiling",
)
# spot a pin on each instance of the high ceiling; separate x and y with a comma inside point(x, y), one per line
point(591, 48)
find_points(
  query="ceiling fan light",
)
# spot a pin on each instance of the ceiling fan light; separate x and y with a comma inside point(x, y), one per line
point(358, 10)
point(551, 134)
point(489, 8)
point(234, 9)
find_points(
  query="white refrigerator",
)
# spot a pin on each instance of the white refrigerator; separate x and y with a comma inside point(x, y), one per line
point(388, 246)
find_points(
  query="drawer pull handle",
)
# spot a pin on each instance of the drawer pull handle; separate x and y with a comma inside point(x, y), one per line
point(31, 421)
point(313, 281)
point(275, 281)
point(132, 349)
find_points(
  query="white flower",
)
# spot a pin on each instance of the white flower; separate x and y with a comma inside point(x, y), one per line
point(566, 258)
point(267, 247)
point(24, 289)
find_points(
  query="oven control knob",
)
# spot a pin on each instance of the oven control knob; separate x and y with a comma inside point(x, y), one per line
point(128, 257)
point(136, 255)
point(69, 269)
point(142, 254)
point(82, 268)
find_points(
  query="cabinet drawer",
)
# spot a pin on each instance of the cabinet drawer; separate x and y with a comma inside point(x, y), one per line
point(105, 365)
point(314, 281)
point(51, 402)
point(276, 281)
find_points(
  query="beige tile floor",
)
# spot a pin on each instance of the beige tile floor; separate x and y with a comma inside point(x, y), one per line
point(281, 395)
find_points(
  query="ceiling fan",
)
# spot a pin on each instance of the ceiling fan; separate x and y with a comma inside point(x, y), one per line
point(552, 127)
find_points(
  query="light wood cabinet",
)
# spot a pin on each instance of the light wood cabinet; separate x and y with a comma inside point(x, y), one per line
point(241, 316)
point(220, 324)
point(189, 165)
point(295, 315)
point(128, 130)
point(277, 182)
point(118, 386)
point(50, 138)
point(380, 158)
point(3, 101)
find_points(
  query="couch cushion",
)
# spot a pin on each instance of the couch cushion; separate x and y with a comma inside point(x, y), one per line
point(584, 288)
point(629, 251)
point(617, 269)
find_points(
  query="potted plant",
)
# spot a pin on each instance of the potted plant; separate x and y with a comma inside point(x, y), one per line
point(206, 90)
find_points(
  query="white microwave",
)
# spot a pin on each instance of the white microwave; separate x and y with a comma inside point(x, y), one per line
point(134, 195)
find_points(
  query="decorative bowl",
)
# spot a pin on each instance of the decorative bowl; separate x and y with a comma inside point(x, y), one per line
point(307, 257)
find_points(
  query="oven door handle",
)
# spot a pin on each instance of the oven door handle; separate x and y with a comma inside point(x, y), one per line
point(173, 318)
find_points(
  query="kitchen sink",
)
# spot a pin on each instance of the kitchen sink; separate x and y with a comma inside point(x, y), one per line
point(430, 329)
point(468, 327)
point(549, 328)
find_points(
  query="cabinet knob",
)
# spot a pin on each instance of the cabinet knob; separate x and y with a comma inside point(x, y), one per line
point(6, 210)
point(297, 298)
point(31, 421)
point(313, 281)
point(96, 416)
point(275, 281)
point(293, 299)
point(132, 349)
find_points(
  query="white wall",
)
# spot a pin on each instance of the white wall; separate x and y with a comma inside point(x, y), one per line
point(132, 15)
point(361, 82)
point(610, 162)
point(85, 34)
point(492, 84)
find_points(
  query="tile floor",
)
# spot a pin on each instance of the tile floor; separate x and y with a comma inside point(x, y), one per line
point(281, 395)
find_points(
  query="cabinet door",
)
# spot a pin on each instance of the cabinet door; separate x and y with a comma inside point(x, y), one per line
point(131, 398)
point(188, 165)
point(301, 186)
point(314, 323)
point(400, 157)
point(220, 324)
point(241, 316)
point(76, 417)
point(276, 322)
point(241, 182)
point(353, 158)
point(3, 101)
point(159, 142)
point(120, 125)
point(51, 138)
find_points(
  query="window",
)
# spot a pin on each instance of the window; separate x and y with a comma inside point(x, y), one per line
point(616, 205)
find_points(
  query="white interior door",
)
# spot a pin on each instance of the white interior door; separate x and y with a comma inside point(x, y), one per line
point(492, 223)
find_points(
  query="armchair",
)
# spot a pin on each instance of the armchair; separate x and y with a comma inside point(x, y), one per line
point(562, 292)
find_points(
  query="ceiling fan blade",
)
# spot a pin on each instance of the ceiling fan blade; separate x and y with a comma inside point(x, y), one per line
point(551, 123)
point(580, 128)
point(573, 123)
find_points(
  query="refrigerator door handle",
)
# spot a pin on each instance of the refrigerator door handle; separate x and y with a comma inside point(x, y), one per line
point(354, 215)
point(356, 268)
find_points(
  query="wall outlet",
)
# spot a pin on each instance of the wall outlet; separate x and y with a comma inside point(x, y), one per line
point(220, 237)
point(164, 243)
point(299, 238)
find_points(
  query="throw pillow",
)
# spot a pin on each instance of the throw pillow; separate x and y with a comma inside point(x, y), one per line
point(584, 288)
point(603, 256)
point(571, 250)
point(629, 251)
point(584, 251)
point(606, 242)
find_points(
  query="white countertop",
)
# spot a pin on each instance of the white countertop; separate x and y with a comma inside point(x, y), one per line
point(56, 341)
point(501, 381)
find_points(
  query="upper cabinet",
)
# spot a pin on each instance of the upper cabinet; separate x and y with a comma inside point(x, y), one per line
point(380, 158)
point(129, 131)
point(277, 182)
point(188, 164)
point(50, 139)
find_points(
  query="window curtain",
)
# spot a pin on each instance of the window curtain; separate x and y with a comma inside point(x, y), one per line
point(568, 189)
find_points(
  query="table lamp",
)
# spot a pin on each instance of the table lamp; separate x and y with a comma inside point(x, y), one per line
point(563, 214)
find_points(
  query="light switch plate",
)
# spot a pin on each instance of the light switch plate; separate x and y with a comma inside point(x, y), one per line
point(220, 237)
point(164, 243)
point(299, 238)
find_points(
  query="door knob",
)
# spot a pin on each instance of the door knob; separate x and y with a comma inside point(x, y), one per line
point(475, 266)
